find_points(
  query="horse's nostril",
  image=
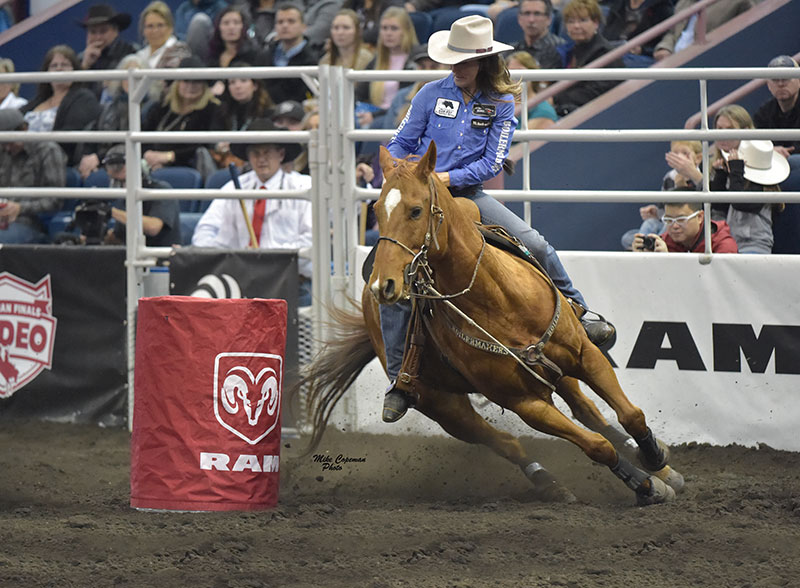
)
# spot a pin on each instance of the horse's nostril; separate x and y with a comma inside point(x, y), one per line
point(388, 288)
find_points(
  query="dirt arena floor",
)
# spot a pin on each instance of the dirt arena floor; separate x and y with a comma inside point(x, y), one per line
point(419, 512)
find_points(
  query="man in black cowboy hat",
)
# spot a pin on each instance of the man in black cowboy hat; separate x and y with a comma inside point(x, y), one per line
point(276, 223)
point(104, 46)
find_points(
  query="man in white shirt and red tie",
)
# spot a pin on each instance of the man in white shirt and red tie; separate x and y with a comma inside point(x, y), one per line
point(277, 223)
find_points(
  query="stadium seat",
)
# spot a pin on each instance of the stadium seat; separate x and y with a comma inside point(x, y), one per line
point(215, 181)
point(181, 178)
point(507, 29)
point(423, 25)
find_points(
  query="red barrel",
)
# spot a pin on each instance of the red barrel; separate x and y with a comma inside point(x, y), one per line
point(207, 406)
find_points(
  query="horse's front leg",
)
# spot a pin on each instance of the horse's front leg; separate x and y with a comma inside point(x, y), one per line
point(586, 412)
point(543, 416)
point(455, 414)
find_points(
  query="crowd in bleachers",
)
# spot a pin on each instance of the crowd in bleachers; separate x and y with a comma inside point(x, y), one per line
point(361, 34)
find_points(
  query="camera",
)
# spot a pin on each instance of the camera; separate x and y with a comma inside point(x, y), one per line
point(90, 221)
point(648, 243)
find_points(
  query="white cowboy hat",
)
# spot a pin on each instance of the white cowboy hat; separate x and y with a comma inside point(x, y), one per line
point(468, 38)
point(762, 164)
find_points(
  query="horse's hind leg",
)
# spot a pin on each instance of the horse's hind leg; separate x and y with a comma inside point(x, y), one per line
point(586, 412)
point(545, 417)
point(455, 414)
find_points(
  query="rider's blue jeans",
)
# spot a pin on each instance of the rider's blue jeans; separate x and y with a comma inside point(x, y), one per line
point(395, 318)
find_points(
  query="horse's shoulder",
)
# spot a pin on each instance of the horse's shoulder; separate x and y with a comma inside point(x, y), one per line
point(469, 208)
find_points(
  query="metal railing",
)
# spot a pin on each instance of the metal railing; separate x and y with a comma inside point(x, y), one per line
point(334, 195)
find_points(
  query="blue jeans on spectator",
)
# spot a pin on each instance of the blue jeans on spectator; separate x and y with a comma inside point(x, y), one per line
point(20, 233)
point(394, 318)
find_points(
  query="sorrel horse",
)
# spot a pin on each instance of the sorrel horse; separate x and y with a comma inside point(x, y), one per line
point(430, 248)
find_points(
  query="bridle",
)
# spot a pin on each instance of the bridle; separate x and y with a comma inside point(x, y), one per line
point(418, 273)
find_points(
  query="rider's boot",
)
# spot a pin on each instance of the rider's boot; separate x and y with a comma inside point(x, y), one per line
point(599, 330)
point(395, 403)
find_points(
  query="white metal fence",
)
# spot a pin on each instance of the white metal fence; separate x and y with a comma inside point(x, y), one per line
point(334, 195)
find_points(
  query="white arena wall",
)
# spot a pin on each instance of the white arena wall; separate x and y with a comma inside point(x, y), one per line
point(674, 348)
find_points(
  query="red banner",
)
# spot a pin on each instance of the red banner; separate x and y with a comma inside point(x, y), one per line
point(207, 408)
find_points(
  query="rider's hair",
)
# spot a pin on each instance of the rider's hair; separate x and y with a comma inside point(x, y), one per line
point(494, 80)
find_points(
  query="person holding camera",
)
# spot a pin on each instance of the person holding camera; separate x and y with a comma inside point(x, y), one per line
point(684, 234)
point(160, 218)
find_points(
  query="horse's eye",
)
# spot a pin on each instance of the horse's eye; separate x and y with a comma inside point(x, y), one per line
point(416, 212)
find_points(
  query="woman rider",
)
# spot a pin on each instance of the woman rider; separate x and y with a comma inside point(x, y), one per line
point(470, 116)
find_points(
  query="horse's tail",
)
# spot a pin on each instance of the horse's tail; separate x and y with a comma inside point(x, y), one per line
point(334, 369)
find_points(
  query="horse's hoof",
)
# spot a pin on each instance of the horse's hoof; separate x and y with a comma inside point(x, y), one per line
point(652, 467)
point(547, 488)
point(660, 493)
point(671, 477)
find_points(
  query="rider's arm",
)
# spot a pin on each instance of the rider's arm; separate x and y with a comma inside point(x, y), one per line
point(407, 137)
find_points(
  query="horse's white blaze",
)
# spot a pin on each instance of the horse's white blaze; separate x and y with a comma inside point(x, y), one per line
point(375, 287)
point(393, 198)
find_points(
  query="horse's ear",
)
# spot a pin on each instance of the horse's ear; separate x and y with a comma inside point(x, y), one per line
point(386, 160)
point(427, 164)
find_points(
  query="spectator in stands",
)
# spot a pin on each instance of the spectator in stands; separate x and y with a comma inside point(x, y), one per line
point(749, 166)
point(628, 18)
point(243, 101)
point(276, 223)
point(535, 17)
point(104, 46)
point(683, 158)
point(583, 19)
point(396, 42)
point(369, 13)
point(685, 234)
point(750, 224)
point(113, 117)
point(542, 115)
point(231, 43)
point(263, 16)
point(346, 47)
point(291, 116)
point(27, 165)
point(188, 106)
point(682, 34)
point(782, 111)
point(290, 47)
point(62, 106)
point(156, 27)
point(8, 92)
point(160, 218)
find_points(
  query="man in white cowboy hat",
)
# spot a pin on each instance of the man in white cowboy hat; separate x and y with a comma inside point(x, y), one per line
point(782, 111)
point(276, 223)
point(104, 46)
point(470, 116)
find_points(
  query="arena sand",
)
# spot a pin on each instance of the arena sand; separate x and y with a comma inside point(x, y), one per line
point(416, 512)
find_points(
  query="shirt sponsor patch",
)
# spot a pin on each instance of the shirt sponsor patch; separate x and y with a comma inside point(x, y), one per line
point(446, 107)
point(481, 123)
point(484, 110)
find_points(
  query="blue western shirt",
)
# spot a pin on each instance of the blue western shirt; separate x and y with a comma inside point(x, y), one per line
point(472, 139)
